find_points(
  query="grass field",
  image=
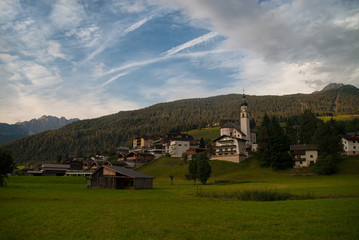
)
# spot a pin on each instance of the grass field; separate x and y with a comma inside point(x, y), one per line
point(340, 117)
point(63, 208)
point(205, 133)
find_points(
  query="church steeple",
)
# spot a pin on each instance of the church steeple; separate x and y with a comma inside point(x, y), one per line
point(245, 127)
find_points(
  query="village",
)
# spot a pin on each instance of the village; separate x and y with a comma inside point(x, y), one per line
point(237, 142)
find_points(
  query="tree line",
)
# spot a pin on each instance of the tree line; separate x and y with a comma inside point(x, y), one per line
point(274, 141)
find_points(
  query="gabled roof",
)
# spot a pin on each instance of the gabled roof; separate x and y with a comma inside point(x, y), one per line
point(51, 165)
point(303, 147)
point(127, 172)
point(239, 139)
point(235, 125)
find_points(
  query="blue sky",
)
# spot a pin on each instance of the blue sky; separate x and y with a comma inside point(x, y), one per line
point(88, 59)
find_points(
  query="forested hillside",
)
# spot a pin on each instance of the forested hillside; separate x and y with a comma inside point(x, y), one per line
point(90, 136)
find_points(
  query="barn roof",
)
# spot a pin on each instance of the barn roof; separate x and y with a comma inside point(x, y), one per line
point(128, 172)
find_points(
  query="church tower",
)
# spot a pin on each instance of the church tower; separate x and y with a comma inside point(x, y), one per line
point(245, 127)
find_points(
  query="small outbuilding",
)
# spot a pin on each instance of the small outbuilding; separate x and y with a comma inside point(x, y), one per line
point(49, 169)
point(115, 177)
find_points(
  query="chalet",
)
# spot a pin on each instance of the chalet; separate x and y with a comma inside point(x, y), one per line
point(304, 154)
point(137, 159)
point(350, 143)
point(114, 177)
point(143, 141)
point(76, 164)
point(228, 148)
point(50, 169)
point(121, 157)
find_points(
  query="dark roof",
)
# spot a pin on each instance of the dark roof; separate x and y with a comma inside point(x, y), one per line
point(235, 125)
point(244, 104)
point(51, 165)
point(240, 139)
point(303, 147)
point(128, 172)
point(351, 137)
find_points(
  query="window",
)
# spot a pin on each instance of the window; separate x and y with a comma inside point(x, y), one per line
point(354, 147)
point(311, 156)
point(179, 144)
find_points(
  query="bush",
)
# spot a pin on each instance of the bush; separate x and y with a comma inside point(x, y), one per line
point(325, 165)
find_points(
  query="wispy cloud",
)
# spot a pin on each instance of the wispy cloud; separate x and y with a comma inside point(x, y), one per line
point(191, 43)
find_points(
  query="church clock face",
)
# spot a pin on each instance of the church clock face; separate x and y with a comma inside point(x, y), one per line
point(244, 108)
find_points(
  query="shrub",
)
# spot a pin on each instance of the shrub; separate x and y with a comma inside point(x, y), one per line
point(255, 195)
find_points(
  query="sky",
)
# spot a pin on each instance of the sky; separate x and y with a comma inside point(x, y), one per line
point(86, 59)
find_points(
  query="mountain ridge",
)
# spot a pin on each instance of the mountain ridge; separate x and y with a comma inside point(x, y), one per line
point(10, 132)
point(99, 134)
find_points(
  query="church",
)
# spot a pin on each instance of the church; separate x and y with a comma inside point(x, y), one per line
point(236, 139)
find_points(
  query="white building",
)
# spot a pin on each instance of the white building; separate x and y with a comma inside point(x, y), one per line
point(229, 148)
point(178, 147)
point(235, 138)
point(304, 154)
point(350, 143)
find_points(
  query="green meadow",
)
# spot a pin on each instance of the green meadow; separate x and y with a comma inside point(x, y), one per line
point(205, 133)
point(348, 117)
point(63, 208)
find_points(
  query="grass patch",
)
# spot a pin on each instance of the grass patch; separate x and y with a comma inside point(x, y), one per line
point(348, 117)
point(254, 195)
point(205, 133)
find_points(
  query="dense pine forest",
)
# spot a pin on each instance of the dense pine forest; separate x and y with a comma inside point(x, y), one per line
point(105, 133)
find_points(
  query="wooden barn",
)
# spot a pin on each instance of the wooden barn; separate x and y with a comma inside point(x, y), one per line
point(115, 177)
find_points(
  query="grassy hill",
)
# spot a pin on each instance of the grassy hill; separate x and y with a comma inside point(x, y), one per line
point(249, 175)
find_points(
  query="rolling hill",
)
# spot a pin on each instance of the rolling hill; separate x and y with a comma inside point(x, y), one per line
point(104, 133)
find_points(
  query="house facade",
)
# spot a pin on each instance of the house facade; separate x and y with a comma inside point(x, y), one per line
point(229, 148)
point(304, 154)
point(143, 141)
point(350, 143)
point(114, 177)
point(177, 148)
point(137, 159)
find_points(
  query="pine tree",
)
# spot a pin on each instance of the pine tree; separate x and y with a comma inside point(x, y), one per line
point(307, 127)
point(263, 141)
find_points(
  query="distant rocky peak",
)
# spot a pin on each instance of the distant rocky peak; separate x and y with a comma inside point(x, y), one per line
point(334, 86)
point(45, 123)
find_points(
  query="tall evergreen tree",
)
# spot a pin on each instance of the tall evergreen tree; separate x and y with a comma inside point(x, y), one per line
point(327, 138)
point(274, 145)
point(291, 132)
point(308, 125)
point(263, 141)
